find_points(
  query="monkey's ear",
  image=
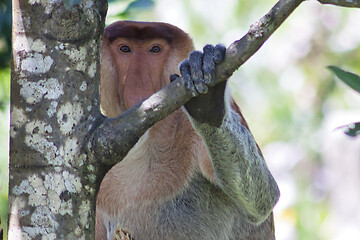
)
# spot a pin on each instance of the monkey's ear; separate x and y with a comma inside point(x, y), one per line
point(109, 86)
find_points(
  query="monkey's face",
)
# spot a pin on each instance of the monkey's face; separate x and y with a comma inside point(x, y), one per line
point(137, 59)
point(140, 65)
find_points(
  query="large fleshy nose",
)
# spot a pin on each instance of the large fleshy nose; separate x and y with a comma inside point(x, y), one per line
point(138, 85)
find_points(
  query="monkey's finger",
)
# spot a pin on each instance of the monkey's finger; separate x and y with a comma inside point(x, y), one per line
point(209, 65)
point(196, 70)
point(219, 53)
point(186, 76)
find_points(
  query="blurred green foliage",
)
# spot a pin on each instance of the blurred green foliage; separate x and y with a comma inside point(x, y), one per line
point(5, 32)
point(5, 50)
point(131, 7)
point(5, 53)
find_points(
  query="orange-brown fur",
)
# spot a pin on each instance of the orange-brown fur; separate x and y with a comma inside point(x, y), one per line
point(162, 166)
point(147, 78)
point(170, 150)
point(152, 171)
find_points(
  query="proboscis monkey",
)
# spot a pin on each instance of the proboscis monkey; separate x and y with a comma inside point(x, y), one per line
point(198, 173)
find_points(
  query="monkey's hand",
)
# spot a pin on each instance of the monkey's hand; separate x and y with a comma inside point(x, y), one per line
point(198, 72)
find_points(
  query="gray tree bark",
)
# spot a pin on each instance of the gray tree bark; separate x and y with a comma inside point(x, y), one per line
point(54, 103)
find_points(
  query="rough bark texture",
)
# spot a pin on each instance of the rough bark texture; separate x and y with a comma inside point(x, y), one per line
point(54, 103)
point(342, 3)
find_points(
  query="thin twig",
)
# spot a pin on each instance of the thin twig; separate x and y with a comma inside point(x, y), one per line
point(342, 3)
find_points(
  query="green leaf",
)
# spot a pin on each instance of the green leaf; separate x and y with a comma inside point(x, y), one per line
point(353, 130)
point(351, 79)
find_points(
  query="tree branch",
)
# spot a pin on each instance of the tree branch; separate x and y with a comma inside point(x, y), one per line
point(342, 3)
point(113, 138)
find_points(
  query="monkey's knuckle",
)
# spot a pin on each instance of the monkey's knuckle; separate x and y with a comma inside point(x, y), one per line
point(219, 57)
point(220, 47)
point(195, 56)
point(195, 53)
point(220, 50)
point(184, 64)
point(208, 48)
point(185, 71)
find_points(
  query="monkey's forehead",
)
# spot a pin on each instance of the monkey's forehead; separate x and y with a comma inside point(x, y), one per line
point(144, 31)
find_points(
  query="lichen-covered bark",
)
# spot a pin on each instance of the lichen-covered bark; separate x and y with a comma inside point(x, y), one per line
point(54, 104)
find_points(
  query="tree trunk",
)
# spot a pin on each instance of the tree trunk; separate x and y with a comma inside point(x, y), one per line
point(54, 104)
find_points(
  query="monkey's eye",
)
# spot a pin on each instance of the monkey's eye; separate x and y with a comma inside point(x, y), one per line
point(125, 49)
point(155, 49)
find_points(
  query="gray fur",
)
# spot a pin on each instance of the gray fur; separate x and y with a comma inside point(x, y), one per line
point(240, 170)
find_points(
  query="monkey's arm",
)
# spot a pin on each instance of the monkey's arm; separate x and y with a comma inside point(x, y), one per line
point(240, 169)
